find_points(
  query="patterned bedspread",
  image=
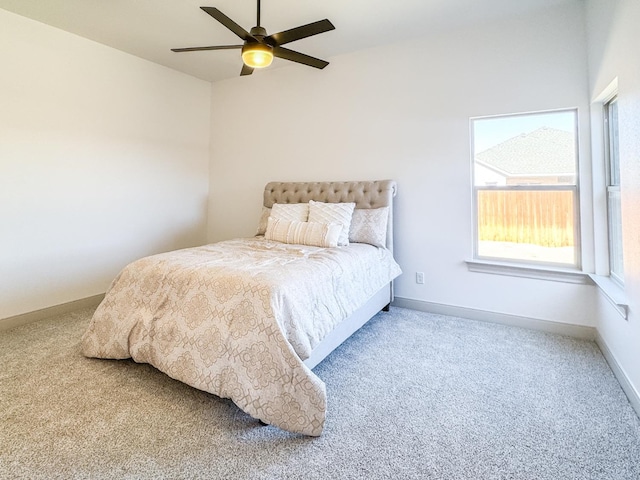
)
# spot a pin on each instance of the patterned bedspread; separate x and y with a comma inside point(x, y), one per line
point(238, 318)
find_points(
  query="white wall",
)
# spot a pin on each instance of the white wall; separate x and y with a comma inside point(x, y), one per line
point(614, 51)
point(103, 159)
point(402, 111)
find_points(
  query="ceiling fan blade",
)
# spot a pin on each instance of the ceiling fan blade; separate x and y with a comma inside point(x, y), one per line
point(227, 22)
point(298, 33)
point(246, 70)
point(197, 49)
point(298, 57)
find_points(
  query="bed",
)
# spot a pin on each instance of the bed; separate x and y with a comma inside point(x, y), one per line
point(248, 319)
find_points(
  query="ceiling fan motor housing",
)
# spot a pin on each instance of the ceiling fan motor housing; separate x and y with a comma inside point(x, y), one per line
point(258, 32)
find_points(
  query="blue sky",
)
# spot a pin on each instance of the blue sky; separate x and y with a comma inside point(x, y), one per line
point(490, 131)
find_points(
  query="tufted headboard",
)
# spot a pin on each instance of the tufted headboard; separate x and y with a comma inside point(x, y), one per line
point(374, 194)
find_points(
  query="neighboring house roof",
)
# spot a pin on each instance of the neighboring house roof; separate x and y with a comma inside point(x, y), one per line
point(545, 151)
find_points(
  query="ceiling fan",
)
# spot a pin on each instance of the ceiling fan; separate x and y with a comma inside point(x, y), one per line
point(259, 48)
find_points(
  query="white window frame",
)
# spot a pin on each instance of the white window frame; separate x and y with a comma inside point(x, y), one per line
point(526, 268)
point(613, 207)
point(612, 290)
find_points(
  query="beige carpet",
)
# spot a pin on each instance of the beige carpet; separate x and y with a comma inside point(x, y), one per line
point(411, 395)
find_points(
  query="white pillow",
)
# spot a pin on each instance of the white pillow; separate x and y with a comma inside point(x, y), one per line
point(333, 213)
point(303, 233)
point(369, 225)
point(262, 223)
point(291, 212)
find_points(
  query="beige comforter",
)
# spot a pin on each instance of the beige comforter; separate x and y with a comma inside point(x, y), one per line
point(237, 319)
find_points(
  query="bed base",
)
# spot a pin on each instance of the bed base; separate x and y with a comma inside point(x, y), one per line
point(379, 301)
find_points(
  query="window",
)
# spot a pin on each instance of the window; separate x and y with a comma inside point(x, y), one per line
point(614, 216)
point(525, 185)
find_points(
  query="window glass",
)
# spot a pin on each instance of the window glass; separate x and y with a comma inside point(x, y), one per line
point(525, 187)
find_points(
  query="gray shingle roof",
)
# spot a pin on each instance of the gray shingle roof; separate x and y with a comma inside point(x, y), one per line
point(545, 151)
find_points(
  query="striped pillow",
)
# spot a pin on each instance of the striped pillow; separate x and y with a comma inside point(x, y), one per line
point(298, 212)
point(303, 233)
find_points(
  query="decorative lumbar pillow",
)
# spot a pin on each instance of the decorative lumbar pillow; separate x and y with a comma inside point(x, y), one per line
point(333, 213)
point(262, 224)
point(369, 225)
point(292, 212)
point(303, 233)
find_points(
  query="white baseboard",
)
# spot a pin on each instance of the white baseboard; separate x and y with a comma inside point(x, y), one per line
point(571, 330)
point(621, 376)
point(30, 317)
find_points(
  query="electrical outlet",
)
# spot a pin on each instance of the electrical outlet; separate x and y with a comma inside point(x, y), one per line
point(420, 277)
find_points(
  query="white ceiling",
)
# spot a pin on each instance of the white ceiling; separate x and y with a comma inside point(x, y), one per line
point(150, 28)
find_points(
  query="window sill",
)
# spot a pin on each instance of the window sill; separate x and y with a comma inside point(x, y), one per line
point(565, 275)
point(613, 293)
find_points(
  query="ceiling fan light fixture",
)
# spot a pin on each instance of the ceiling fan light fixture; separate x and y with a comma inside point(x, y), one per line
point(257, 55)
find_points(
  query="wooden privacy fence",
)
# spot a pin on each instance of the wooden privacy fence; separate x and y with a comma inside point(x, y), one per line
point(539, 217)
